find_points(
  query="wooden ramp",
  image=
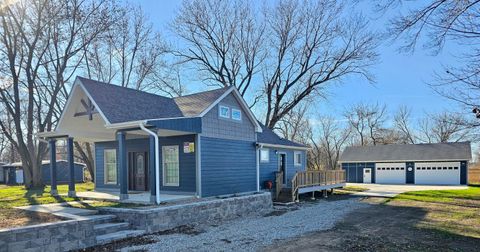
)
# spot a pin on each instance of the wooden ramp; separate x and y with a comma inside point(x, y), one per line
point(308, 181)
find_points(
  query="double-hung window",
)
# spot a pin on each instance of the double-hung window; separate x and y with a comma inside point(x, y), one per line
point(171, 166)
point(297, 158)
point(110, 166)
point(264, 155)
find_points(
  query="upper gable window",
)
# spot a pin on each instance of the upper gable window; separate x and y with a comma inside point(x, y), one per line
point(236, 114)
point(224, 111)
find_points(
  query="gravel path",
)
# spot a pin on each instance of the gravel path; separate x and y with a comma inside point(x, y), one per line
point(254, 232)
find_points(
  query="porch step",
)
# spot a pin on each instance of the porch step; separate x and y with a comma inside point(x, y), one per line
point(104, 228)
point(106, 238)
point(285, 195)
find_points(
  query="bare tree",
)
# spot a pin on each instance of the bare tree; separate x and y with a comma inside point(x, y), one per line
point(330, 141)
point(39, 41)
point(402, 124)
point(446, 127)
point(366, 122)
point(295, 125)
point(439, 22)
point(223, 41)
point(312, 45)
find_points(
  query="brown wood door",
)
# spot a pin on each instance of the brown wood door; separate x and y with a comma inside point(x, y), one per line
point(138, 171)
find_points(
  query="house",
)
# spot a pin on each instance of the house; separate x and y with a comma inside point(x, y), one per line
point(203, 144)
point(13, 173)
point(429, 164)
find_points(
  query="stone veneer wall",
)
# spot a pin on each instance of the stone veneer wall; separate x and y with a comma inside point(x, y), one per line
point(59, 236)
point(164, 218)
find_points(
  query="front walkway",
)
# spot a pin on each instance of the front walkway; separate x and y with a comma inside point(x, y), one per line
point(389, 191)
point(63, 210)
point(136, 198)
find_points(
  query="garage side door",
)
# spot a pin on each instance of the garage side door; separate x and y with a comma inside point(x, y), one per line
point(441, 173)
point(390, 173)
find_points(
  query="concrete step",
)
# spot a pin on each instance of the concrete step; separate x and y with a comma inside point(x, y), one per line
point(110, 227)
point(106, 238)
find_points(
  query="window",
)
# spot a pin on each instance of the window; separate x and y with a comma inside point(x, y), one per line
point(110, 166)
point(170, 165)
point(224, 111)
point(264, 155)
point(297, 160)
point(236, 114)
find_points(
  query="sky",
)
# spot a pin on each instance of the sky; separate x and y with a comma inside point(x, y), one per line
point(400, 78)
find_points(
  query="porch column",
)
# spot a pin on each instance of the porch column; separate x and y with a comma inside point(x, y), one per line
point(53, 167)
point(122, 165)
point(71, 168)
point(151, 168)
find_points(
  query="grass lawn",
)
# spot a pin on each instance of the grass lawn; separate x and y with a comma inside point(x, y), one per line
point(452, 212)
point(350, 189)
point(13, 196)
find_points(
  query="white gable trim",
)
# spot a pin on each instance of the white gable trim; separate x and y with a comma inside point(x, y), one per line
point(69, 100)
point(242, 102)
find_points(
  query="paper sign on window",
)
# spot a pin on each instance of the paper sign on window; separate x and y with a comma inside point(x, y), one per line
point(188, 147)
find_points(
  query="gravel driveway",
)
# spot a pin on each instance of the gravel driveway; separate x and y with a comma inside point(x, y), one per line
point(254, 232)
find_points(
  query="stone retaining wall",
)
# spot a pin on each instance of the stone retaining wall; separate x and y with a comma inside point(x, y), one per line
point(59, 236)
point(164, 218)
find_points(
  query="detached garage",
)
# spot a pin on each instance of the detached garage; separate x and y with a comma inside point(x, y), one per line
point(425, 164)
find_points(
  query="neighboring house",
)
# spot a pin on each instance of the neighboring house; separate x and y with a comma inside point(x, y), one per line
point(13, 173)
point(430, 164)
point(204, 144)
point(2, 173)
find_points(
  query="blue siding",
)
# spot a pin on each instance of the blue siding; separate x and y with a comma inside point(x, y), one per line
point(268, 169)
point(62, 172)
point(228, 166)
point(187, 161)
point(354, 171)
point(410, 179)
point(193, 125)
point(463, 172)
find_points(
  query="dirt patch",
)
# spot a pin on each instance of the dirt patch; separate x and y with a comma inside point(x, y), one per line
point(185, 229)
point(382, 227)
point(11, 218)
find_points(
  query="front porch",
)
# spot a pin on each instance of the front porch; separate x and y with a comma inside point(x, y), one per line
point(135, 198)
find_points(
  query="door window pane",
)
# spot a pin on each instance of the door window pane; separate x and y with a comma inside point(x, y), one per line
point(170, 166)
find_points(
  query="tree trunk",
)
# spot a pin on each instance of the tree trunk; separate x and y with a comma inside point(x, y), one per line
point(87, 157)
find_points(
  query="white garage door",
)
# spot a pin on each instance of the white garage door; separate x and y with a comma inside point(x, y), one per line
point(442, 173)
point(390, 173)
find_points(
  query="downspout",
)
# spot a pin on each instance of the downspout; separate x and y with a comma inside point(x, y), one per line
point(257, 154)
point(157, 162)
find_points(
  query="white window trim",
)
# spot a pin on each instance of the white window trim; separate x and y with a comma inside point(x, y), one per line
point(240, 113)
point(268, 155)
point(297, 161)
point(105, 181)
point(220, 107)
point(163, 166)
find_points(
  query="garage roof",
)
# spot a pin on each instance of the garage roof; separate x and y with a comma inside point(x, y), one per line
point(460, 151)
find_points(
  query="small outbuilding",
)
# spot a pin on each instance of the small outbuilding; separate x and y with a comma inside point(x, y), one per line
point(13, 173)
point(428, 164)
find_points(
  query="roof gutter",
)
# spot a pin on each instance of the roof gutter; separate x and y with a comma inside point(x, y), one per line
point(282, 146)
point(157, 161)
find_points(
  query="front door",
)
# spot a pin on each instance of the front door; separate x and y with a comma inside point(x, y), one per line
point(282, 167)
point(138, 172)
point(367, 175)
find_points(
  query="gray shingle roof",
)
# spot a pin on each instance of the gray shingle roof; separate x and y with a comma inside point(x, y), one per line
point(195, 104)
point(408, 152)
point(120, 104)
point(267, 136)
